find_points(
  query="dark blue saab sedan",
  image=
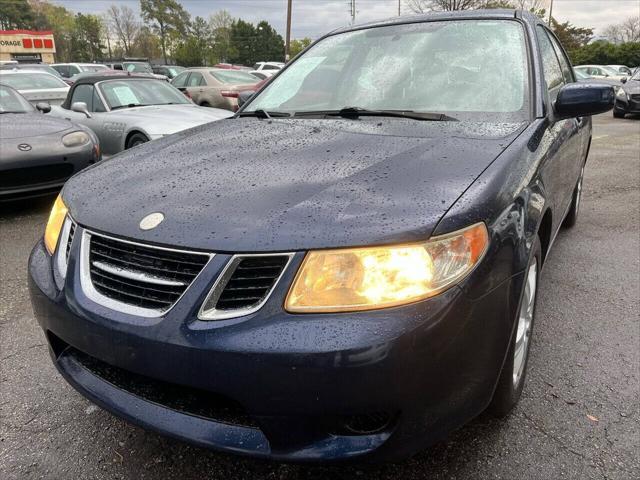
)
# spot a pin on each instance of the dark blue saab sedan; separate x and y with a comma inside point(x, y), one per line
point(349, 266)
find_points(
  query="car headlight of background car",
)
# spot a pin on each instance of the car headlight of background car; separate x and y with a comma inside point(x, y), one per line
point(346, 280)
point(54, 225)
point(76, 139)
point(621, 93)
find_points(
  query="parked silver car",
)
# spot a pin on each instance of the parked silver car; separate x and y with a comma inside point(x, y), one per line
point(36, 86)
point(125, 111)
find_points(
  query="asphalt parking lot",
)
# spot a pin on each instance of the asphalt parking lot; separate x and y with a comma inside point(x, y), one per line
point(579, 416)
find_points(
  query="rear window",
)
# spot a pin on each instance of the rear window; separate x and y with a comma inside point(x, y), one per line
point(31, 81)
point(233, 77)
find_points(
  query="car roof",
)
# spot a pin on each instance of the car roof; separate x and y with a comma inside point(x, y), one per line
point(499, 13)
point(98, 77)
point(25, 70)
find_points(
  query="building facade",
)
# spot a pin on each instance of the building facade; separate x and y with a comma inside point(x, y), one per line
point(27, 46)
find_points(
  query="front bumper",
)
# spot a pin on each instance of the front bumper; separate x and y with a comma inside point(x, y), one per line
point(303, 380)
point(627, 105)
point(42, 171)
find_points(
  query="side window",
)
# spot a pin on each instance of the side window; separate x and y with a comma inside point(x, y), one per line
point(98, 106)
point(83, 93)
point(550, 65)
point(181, 80)
point(565, 65)
point(195, 80)
point(73, 70)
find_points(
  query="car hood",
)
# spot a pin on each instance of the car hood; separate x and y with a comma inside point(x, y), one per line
point(154, 118)
point(24, 125)
point(250, 185)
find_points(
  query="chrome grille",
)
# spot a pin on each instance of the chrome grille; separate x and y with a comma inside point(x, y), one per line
point(72, 231)
point(148, 279)
point(244, 286)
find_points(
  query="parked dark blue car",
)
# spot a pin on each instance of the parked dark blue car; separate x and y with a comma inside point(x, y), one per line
point(348, 268)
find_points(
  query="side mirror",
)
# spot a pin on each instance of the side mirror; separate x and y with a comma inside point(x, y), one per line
point(583, 99)
point(43, 107)
point(623, 80)
point(244, 97)
point(80, 107)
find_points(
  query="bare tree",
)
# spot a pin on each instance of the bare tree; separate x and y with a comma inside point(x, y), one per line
point(125, 25)
point(627, 31)
point(422, 6)
point(533, 5)
point(631, 29)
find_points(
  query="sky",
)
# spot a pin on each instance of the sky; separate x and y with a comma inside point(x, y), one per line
point(312, 18)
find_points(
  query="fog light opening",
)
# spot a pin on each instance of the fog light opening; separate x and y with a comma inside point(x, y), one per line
point(365, 424)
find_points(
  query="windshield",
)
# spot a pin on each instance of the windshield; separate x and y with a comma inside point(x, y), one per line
point(32, 81)
point(137, 67)
point(610, 71)
point(130, 93)
point(174, 71)
point(474, 69)
point(580, 75)
point(12, 102)
point(234, 77)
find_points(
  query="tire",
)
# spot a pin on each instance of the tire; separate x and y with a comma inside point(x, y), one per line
point(572, 215)
point(514, 370)
point(205, 104)
point(618, 113)
point(136, 139)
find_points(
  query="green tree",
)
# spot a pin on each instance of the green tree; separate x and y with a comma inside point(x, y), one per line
point(167, 18)
point(220, 25)
point(570, 36)
point(85, 40)
point(188, 53)
point(146, 44)
point(606, 53)
point(61, 21)
point(242, 38)
point(297, 46)
point(15, 14)
point(268, 45)
point(196, 49)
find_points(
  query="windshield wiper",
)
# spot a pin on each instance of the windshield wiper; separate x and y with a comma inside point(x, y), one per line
point(356, 112)
point(130, 105)
point(260, 113)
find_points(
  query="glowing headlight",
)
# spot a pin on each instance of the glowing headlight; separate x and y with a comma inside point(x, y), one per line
point(54, 225)
point(75, 139)
point(353, 279)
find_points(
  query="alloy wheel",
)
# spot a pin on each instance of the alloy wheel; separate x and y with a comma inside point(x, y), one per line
point(525, 321)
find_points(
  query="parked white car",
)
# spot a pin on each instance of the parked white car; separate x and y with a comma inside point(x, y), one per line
point(600, 71)
point(268, 66)
point(622, 70)
point(36, 86)
point(68, 70)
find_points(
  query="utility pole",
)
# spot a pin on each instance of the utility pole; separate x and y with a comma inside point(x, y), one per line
point(550, 12)
point(287, 44)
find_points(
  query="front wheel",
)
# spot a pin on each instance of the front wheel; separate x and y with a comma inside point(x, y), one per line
point(618, 113)
point(511, 381)
point(136, 139)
